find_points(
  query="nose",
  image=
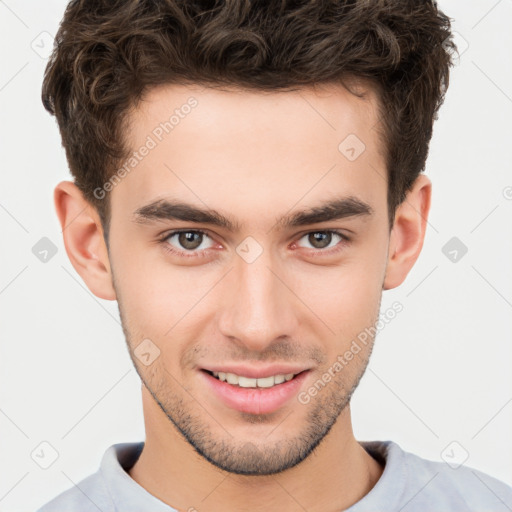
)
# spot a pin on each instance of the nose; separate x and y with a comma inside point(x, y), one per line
point(260, 305)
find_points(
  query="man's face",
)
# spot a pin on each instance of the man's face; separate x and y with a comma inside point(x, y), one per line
point(257, 296)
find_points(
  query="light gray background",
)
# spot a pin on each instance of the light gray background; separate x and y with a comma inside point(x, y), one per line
point(439, 382)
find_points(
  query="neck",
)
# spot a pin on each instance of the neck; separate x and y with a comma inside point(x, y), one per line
point(336, 475)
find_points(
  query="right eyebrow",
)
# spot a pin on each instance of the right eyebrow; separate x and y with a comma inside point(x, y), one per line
point(164, 209)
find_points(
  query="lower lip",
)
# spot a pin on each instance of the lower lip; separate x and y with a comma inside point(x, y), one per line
point(255, 400)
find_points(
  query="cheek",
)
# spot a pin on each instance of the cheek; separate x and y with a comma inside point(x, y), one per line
point(344, 296)
point(348, 310)
point(159, 306)
point(155, 295)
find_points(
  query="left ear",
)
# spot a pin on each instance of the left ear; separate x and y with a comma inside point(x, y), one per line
point(408, 233)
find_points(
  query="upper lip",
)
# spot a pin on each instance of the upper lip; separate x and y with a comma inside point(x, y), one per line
point(257, 372)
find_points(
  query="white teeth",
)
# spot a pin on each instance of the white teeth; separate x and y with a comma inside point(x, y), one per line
point(231, 378)
point(247, 382)
point(266, 382)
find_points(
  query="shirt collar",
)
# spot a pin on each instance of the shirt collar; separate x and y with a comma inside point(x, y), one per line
point(129, 496)
point(125, 492)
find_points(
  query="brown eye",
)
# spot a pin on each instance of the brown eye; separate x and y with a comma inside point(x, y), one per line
point(190, 240)
point(320, 240)
point(324, 239)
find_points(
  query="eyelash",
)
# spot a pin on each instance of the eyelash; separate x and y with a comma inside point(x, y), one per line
point(204, 252)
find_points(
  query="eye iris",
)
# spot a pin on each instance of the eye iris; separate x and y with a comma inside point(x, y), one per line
point(189, 240)
point(320, 237)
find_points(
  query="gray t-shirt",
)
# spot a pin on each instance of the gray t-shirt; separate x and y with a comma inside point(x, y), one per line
point(408, 483)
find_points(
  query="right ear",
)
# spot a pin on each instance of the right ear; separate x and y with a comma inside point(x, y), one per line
point(83, 239)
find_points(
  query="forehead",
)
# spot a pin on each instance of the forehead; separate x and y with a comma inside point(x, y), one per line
point(306, 113)
point(229, 148)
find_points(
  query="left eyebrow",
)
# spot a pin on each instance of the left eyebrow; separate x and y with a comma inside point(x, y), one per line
point(335, 209)
point(332, 210)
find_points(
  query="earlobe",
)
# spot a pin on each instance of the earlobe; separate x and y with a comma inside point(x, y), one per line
point(83, 239)
point(408, 233)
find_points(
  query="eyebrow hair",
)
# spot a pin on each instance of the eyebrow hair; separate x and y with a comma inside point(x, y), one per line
point(340, 208)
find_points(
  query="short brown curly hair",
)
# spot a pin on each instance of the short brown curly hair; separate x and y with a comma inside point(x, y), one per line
point(108, 53)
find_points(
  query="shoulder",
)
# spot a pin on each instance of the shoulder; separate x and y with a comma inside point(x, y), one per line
point(473, 488)
point(88, 495)
point(109, 489)
point(423, 483)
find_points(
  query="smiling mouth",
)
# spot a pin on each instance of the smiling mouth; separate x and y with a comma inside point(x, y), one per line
point(249, 382)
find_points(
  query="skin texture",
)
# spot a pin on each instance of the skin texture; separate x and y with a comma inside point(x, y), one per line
point(253, 157)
